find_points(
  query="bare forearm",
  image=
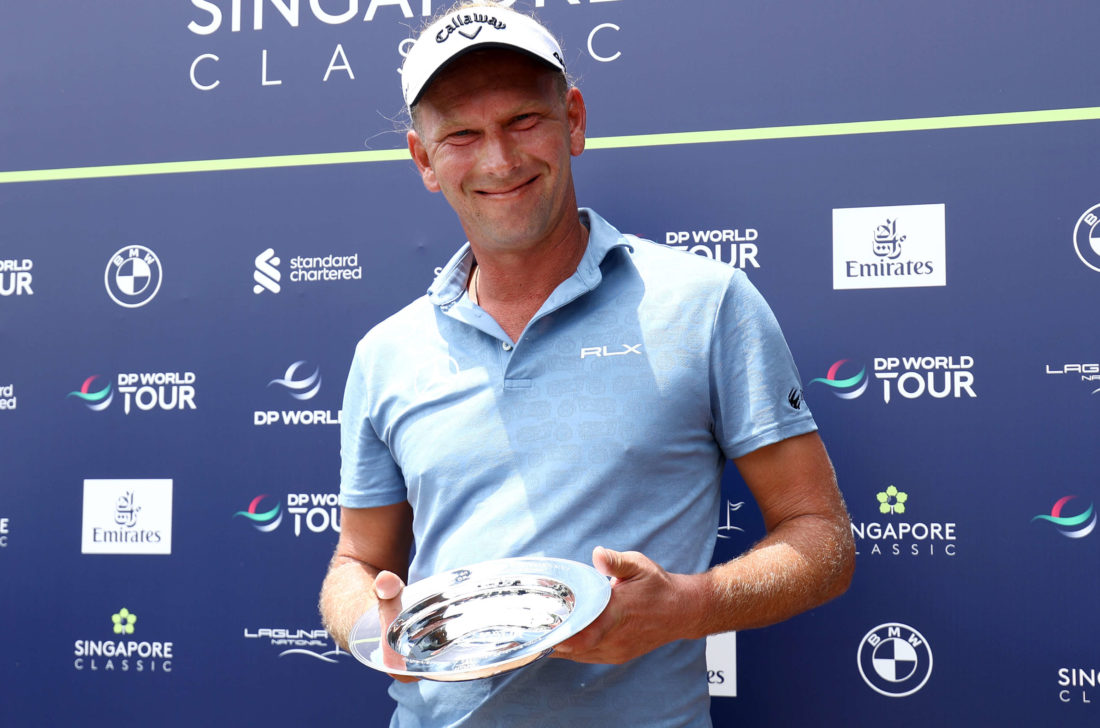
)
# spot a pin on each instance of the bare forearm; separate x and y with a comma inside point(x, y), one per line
point(371, 540)
point(347, 592)
point(801, 564)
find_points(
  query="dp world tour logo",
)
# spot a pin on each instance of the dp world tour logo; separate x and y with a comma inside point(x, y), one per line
point(265, 521)
point(133, 276)
point(1077, 526)
point(98, 400)
point(847, 388)
point(303, 388)
point(894, 660)
point(266, 274)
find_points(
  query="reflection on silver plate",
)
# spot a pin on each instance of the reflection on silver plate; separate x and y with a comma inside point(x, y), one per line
point(482, 620)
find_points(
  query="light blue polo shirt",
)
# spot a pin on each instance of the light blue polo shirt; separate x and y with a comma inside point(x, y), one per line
point(607, 423)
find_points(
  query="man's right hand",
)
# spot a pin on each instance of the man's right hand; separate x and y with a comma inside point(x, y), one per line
point(387, 589)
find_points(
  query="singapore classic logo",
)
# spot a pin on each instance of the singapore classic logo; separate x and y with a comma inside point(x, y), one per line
point(122, 653)
point(892, 533)
point(133, 276)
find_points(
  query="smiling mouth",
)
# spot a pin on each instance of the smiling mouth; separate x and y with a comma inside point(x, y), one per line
point(504, 193)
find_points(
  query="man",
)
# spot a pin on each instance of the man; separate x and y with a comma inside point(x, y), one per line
point(565, 390)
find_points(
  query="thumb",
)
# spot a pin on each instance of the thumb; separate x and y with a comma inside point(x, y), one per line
point(617, 564)
point(387, 585)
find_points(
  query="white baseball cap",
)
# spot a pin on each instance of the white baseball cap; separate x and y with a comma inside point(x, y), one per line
point(468, 29)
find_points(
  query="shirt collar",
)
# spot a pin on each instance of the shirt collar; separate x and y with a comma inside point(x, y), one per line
point(450, 284)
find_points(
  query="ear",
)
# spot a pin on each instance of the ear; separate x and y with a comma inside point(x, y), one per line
point(419, 155)
point(578, 120)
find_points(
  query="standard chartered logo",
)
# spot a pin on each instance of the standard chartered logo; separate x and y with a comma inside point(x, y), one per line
point(331, 268)
point(266, 275)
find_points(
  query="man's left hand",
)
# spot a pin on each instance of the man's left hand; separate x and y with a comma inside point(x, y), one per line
point(646, 610)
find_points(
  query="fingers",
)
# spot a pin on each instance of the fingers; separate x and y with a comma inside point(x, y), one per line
point(619, 565)
point(387, 588)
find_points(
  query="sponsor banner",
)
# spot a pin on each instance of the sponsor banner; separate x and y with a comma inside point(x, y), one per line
point(268, 276)
point(894, 660)
point(903, 246)
point(302, 382)
point(898, 533)
point(127, 516)
point(310, 512)
point(5, 530)
point(8, 400)
point(1086, 238)
point(16, 277)
point(315, 643)
point(734, 246)
point(722, 664)
point(120, 646)
point(139, 392)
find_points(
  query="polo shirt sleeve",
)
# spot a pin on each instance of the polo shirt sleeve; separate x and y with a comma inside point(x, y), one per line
point(755, 390)
point(369, 477)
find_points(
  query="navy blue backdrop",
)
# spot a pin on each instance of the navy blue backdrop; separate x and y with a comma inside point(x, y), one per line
point(174, 339)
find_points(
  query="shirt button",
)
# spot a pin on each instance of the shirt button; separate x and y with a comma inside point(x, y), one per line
point(506, 346)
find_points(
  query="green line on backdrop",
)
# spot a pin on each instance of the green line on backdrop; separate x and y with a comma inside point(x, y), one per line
point(618, 142)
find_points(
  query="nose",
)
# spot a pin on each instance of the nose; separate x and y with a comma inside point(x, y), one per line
point(499, 154)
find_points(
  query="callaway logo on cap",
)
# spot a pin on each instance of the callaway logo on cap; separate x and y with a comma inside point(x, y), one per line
point(468, 29)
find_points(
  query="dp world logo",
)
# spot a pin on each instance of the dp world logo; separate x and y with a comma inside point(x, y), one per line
point(847, 387)
point(133, 276)
point(266, 274)
point(1077, 526)
point(300, 386)
point(97, 400)
point(894, 660)
point(265, 521)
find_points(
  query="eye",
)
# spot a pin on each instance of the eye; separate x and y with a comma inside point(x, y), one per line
point(525, 121)
point(461, 136)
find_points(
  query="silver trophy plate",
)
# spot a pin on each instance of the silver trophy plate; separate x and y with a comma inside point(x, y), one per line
point(483, 619)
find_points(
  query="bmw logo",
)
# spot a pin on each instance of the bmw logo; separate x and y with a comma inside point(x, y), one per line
point(133, 276)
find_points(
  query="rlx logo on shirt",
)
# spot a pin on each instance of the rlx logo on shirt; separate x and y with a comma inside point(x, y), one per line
point(603, 350)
